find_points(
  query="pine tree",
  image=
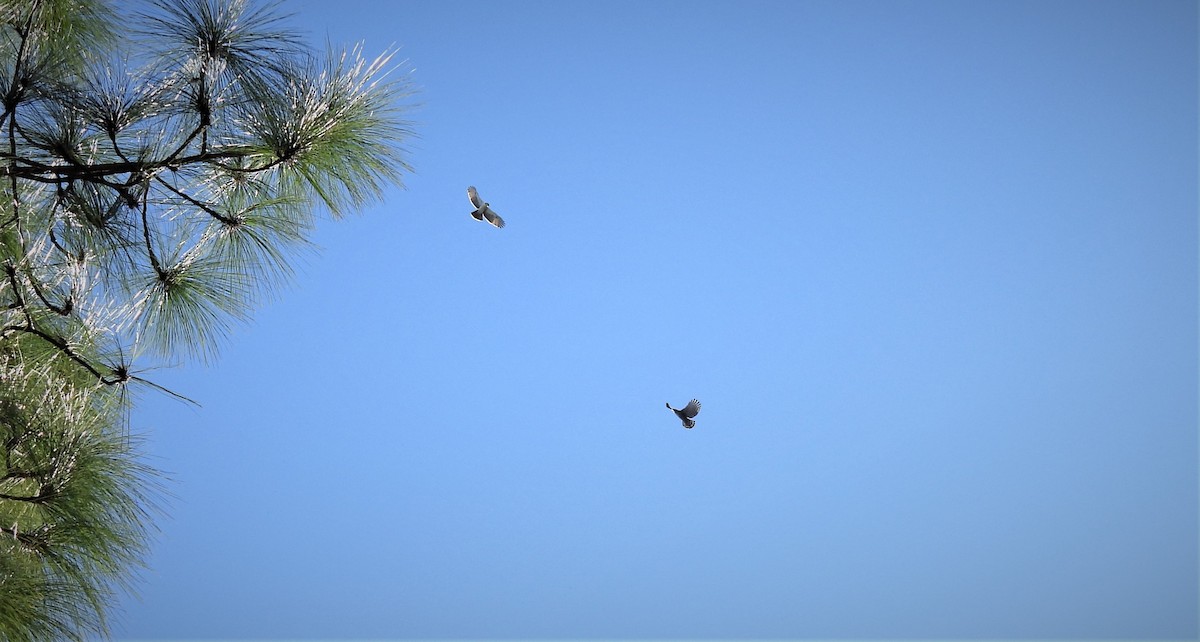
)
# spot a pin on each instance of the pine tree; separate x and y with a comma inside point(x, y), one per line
point(159, 170)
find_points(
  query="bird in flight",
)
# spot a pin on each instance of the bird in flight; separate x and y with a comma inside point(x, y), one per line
point(482, 211)
point(686, 413)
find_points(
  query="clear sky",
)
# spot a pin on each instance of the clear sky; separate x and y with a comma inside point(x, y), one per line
point(931, 267)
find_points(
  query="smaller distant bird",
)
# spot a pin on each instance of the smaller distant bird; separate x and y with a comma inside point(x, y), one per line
point(482, 211)
point(686, 413)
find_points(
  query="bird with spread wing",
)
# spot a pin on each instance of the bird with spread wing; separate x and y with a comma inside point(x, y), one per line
point(687, 413)
point(483, 212)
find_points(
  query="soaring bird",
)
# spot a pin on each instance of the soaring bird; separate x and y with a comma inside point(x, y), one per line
point(482, 211)
point(686, 413)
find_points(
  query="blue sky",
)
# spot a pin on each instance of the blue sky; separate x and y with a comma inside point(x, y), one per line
point(931, 267)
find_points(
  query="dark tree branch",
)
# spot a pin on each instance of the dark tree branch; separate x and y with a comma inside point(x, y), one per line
point(11, 272)
point(146, 235)
point(39, 498)
point(22, 474)
point(204, 207)
point(28, 540)
point(43, 173)
point(65, 348)
point(61, 310)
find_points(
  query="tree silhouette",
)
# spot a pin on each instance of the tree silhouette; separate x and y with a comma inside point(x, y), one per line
point(159, 170)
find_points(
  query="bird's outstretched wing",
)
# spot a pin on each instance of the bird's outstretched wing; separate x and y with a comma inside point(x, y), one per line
point(474, 198)
point(686, 413)
point(482, 212)
point(491, 216)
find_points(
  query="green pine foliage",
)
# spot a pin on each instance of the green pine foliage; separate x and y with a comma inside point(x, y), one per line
point(160, 169)
point(75, 501)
